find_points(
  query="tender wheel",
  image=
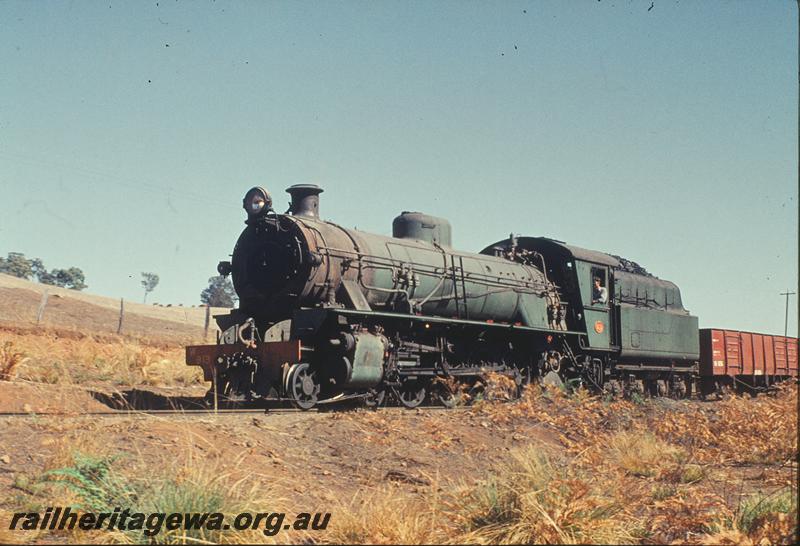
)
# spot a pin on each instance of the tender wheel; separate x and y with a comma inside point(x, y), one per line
point(412, 394)
point(677, 388)
point(651, 387)
point(613, 389)
point(689, 387)
point(634, 388)
point(301, 386)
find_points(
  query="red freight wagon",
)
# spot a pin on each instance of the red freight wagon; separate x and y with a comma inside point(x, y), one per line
point(745, 358)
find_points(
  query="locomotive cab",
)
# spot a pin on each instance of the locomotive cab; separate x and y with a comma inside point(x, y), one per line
point(573, 270)
point(643, 318)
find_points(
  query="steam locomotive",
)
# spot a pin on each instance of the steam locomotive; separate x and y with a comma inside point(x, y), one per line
point(328, 313)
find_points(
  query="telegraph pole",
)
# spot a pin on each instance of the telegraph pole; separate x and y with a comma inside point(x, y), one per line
point(786, 318)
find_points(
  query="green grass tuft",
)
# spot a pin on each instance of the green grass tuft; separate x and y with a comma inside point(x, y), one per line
point(759, 506)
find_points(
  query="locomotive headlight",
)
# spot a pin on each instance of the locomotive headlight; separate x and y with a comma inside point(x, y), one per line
point(256, 201)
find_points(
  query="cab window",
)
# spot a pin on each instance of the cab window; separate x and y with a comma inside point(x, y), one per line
point(599, 283)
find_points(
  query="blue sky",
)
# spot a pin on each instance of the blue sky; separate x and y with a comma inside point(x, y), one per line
point(130, 131)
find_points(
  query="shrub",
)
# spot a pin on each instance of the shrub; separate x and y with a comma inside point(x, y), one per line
point(10, 358)
point(642, 454)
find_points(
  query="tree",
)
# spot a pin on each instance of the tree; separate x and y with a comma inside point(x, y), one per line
point(71, 278)
point(220, 292)
point(38, 268)
point(17, 265)
point(149, 281)
point(46, 277)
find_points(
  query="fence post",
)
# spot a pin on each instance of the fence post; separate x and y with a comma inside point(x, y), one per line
point(208, 319)
point(121, 314)
point(42, 305)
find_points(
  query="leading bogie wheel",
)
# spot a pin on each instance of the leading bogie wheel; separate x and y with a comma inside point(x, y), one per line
point(302, 386)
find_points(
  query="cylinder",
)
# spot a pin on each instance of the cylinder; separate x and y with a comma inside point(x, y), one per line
point(365, 363)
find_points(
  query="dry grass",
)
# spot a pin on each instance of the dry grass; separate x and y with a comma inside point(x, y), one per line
point(526, 499)
point(621, 475)
point(651, 472)
point(389, 516)
point(54, 360)
point(499, 387)
point(758, 520)
point(739, 430)
point(531, 500)
point(642, 454)
point(86, 475)
point(662, 461)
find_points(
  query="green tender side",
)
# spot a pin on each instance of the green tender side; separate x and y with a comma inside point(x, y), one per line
point(653, 322)
point(653, 333)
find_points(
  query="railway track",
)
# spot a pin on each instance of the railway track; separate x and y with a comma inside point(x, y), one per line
point(193, 412)
point(135, 412)
point(191, 407)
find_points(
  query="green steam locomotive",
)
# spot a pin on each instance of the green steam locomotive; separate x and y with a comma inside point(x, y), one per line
point(328, 313)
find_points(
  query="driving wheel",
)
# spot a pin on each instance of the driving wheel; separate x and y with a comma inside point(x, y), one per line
point(412, 394)
point(375, 398)
point(447, 395)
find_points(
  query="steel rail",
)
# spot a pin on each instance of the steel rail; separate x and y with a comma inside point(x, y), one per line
point(135, 412)
point(196, 412)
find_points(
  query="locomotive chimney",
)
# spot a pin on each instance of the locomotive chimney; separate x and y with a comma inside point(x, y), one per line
point(305, 200)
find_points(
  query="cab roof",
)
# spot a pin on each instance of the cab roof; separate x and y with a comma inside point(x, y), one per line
point(553, 245)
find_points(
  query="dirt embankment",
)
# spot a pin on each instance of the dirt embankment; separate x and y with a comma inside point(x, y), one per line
point(559, 468)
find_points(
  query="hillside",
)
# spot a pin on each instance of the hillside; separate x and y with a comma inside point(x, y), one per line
point(92, 314)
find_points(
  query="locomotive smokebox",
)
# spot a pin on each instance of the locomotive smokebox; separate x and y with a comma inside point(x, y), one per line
point(305, 200)
point(415, 225)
